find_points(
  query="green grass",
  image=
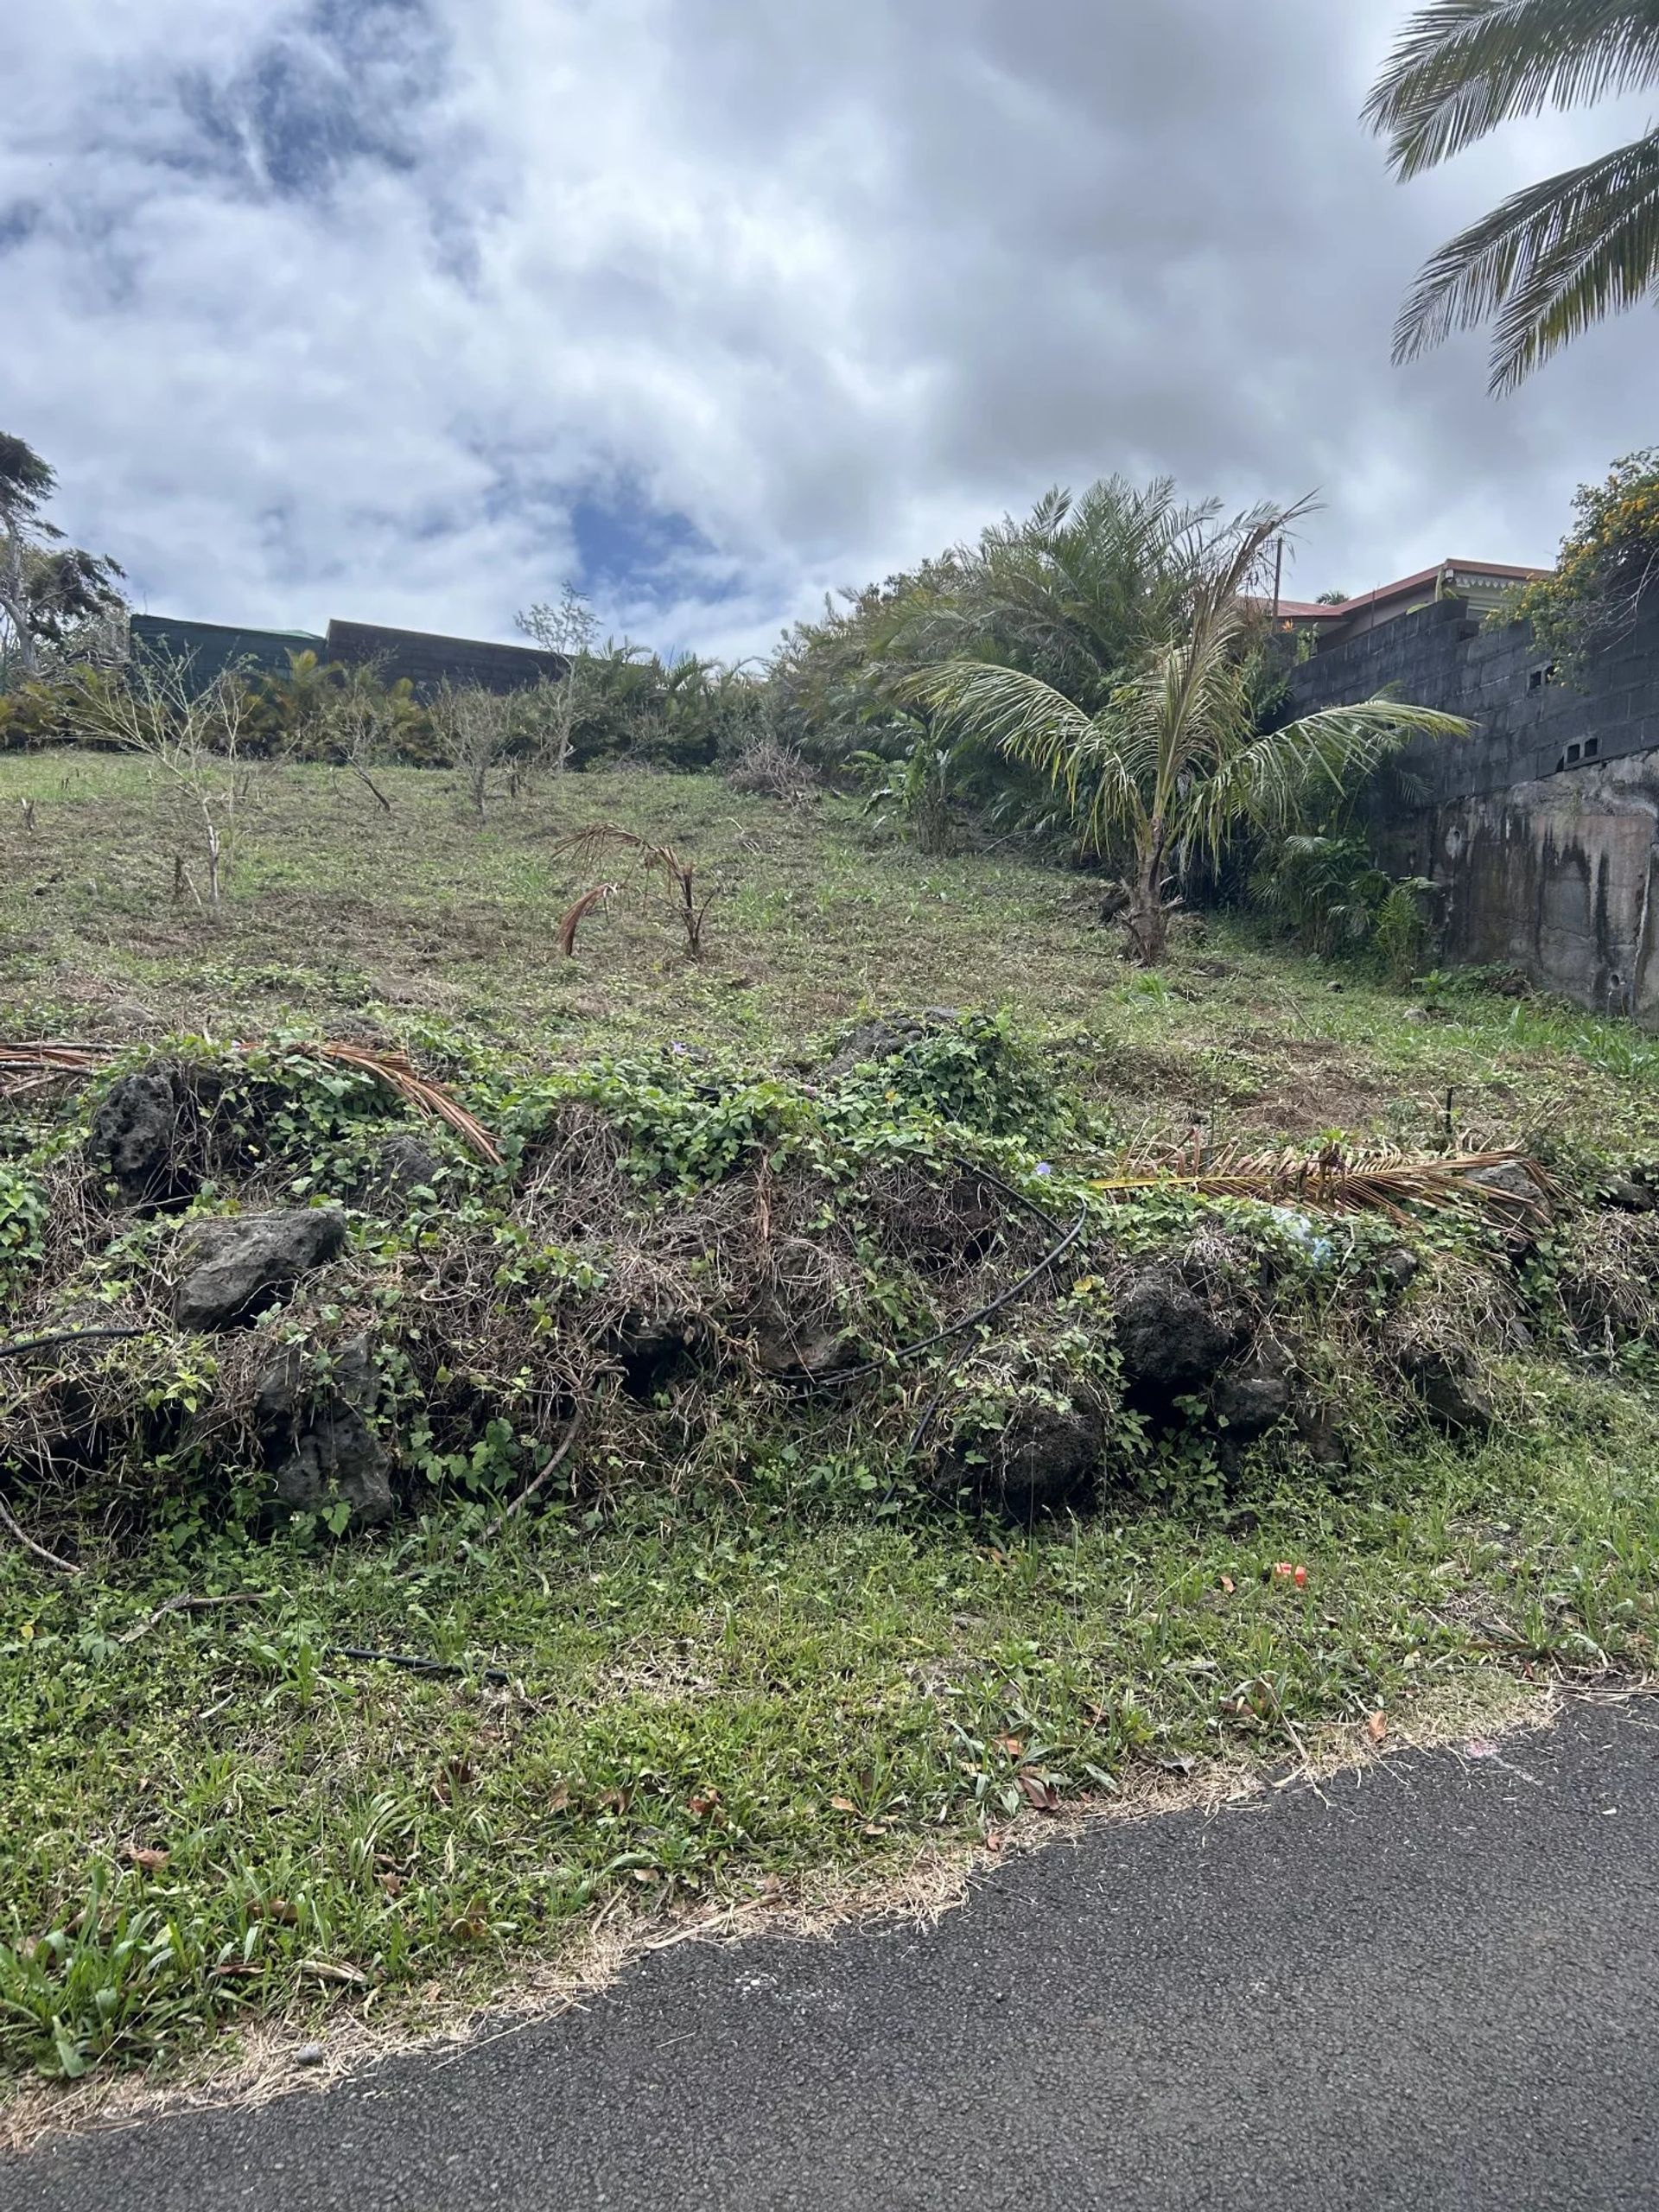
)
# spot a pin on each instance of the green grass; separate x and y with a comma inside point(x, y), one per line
point(420, 918)
point(704, 1699)
point(705, 1695)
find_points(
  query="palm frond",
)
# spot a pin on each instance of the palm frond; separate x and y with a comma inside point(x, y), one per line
point(31, 1064)
point(26, 1064)
point(1461, 67)
point(1552, 258)
point(1380, 1180)
point(1605, 264)
point(595, 837)
point(574, 916)
point(1274, 779)
point(1092, 758)
point(399, 1072)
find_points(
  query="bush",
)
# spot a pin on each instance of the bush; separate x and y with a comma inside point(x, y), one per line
point(1608, 565)
point(772, 770)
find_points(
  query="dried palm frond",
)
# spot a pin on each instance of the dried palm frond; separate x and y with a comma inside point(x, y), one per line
point(399, 1073)
point(678, 876)
point(572, 918)
point(27, 1065)
point(1380, 1180)
point(597, 837)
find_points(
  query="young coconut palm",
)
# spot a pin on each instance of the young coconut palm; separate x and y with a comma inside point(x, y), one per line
point(1173, 762)
point(1560, 254)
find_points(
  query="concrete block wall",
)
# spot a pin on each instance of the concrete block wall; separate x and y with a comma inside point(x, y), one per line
point(1542, 825)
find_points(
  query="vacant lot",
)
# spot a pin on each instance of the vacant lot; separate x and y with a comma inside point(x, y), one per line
point(705, 1680)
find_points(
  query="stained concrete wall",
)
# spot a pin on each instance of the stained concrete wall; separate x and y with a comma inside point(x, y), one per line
point(1556, 877)
point(1541, 826)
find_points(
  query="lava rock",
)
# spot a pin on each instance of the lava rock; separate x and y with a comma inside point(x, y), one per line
point(786, 1343)
point(649, 1347)
point(1169, 1343)
point(1452, 1398)
point(136, 1138)
point(1046, 1458)
point(1400, 1269)
point(405, 1166)
point(886, 1036)
point(239, 1265)
point(1252, 1402)
point(325, 1453)
point(1511, 1182)
point(1321, 1437)
point(1627, 1194)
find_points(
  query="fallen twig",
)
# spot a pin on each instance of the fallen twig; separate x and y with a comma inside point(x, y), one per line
point(577, 1422)
point(64, 1337)
point(956, 1329)
point(414, 1664)
point(67, 1565)
point(184, 1602)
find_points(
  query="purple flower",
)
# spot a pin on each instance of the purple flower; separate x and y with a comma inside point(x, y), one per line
point(1042, 1168)
point(677, 1049)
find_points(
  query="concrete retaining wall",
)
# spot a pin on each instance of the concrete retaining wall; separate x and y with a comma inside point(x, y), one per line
point(1542, 825)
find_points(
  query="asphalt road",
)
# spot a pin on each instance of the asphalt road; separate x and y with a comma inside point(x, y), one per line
point(1438, 1985)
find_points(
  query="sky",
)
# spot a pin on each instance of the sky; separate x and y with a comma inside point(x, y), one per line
point(410, 310)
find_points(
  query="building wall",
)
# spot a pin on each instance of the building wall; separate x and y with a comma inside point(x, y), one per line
point(1542, 826)
point(207, 650)
point(1555, 877)
point(429, 660)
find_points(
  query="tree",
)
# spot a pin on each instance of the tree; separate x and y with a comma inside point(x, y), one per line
point(1607, 573)
point(47, 587)
point(570, 628)
point(476, 730)
point(1172, 762)
point(1558, 256)
point(193, 739)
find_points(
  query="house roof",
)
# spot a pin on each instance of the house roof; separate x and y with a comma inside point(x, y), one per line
point(1453, 571)
point(1308, 610)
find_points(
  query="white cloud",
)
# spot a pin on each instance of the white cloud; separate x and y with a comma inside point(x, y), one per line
point(352, 316)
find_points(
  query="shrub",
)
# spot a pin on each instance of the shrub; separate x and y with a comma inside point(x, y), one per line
point(1608, 565)
point(772, 769)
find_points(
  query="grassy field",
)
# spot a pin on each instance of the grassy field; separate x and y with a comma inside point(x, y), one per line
point(667, 1702)
point(358, 918)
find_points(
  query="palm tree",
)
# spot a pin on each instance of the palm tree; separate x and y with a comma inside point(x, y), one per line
point(1560, 254)
point(1172, 762)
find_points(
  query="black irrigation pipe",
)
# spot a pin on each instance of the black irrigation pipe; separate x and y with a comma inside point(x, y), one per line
point(907, 1352)
point(414, 1665)
point(62, 1336)
point(989, 1175)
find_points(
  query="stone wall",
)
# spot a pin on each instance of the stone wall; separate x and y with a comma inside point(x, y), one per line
point(1542, 826)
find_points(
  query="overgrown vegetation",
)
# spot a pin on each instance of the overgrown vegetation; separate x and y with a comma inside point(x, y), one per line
point(853, 1509)
point(583, 1346)
point(1606, 570)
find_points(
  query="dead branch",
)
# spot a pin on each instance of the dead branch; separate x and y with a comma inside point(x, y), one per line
point(9, 1520)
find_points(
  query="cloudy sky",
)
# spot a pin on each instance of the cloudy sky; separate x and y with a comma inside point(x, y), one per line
point(408, 309)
